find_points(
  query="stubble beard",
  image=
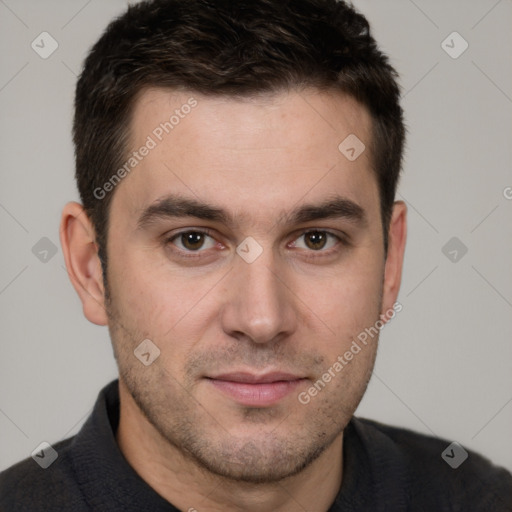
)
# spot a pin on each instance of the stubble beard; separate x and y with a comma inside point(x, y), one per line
point(185, 426)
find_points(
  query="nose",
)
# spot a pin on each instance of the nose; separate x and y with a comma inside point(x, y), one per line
point(259, 304)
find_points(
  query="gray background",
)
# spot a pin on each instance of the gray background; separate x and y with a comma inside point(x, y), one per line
point(444, 364)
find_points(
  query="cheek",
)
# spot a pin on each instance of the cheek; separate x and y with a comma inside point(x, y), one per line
point(167, 306)
point(348, 300)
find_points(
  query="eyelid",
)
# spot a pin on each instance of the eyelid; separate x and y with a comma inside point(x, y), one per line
point(343, 240)
point(204, 231)
point(169, 239)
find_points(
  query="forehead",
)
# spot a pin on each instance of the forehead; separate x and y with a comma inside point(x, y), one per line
point(251, 154)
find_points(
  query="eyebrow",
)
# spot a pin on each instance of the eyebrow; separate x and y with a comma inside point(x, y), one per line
point(175, 206)
point(334, 207)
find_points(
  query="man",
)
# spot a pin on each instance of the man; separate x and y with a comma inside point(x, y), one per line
point(237, 164)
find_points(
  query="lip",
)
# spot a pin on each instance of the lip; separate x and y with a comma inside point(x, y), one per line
point(256, 390)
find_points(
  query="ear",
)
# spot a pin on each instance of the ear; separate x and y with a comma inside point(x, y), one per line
point(396, 247)
point(78, 240)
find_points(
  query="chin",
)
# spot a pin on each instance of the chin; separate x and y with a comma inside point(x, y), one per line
point(253, 461)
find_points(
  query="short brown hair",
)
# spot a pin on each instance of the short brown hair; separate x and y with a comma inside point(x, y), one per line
point(231, 48)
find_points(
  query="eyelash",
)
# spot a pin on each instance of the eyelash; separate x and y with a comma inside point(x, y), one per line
point(188, 254)
point(205, 231)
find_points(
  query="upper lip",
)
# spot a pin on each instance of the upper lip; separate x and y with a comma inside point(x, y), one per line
point(249, 378)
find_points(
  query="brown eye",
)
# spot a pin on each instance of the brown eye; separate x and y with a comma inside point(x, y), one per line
point(319, 241)
point(192, 241)
point(315, 240)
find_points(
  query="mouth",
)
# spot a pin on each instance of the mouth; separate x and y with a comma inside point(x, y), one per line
point(253, 390)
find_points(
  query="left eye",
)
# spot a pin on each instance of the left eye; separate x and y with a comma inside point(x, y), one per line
point(193, 241)
point(316, 240)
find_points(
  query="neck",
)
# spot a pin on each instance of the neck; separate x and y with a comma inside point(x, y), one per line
point(182, 482)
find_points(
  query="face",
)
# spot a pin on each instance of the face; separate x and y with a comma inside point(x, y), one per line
point(249, 250)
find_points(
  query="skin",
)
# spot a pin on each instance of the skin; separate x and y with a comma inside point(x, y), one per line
point(296, 308)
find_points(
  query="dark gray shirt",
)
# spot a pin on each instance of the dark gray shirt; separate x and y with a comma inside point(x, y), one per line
point(384, 469)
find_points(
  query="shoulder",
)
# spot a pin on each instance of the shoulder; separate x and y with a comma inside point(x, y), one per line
point(439, 472)
point(26, 486)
